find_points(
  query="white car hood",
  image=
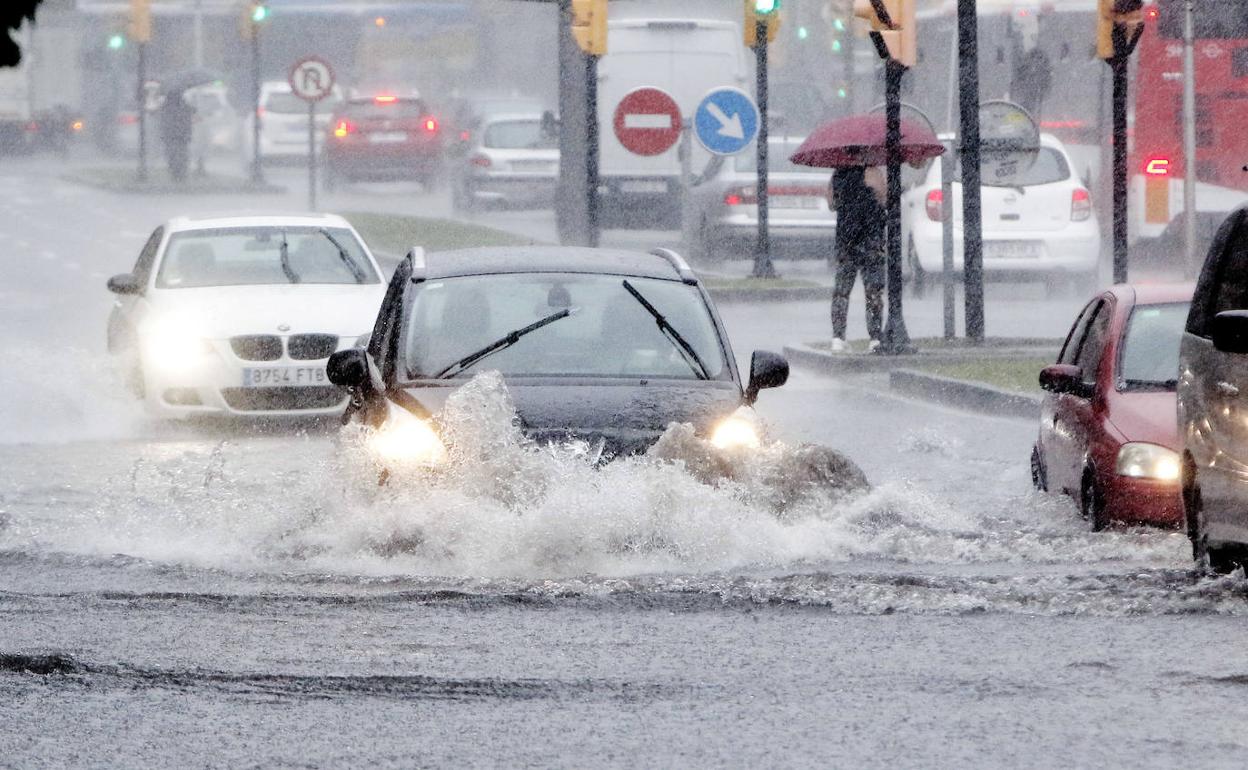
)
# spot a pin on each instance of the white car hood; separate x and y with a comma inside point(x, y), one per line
point(225, 311)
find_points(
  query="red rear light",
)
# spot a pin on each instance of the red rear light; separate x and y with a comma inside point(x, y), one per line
point(32, 127)
point(77, 125)
point(935, 205)
point(1080, 205)
point(385, 99)
point(732, 199)
point(127, 120)
point(344, 128)
point(465, 136)
point(260, 112)
point(1159, 166)
point(480, 160)
point(431, 125)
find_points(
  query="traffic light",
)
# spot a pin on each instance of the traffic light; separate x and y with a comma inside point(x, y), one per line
point(140, 28)
point(892, 28)
point(116, 41)
point(259, 12)
point(1127, 16)
point(760, 10)
point(589, 26)
point(252, 16)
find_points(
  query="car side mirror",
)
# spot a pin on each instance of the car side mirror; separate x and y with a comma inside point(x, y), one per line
point(125, 283)
point(348, 368)
point(1064, 378)
point(767, 370)
point(1230, 331)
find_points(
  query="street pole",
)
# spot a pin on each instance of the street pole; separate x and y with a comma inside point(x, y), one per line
point(1190, 257)
point(141, 98)
point(972, 211)
point(1118, 66)
point(311, 156)
point(762, 252)
point(591, 151)
point(197, 35)
point(896, 339)
point(947, 162)
point(257, 170)
point(685, 153)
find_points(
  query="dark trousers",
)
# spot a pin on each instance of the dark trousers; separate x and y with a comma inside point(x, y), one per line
point(847, 269)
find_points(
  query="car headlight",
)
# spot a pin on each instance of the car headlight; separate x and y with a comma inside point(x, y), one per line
point(1148, 461)
point(173, 346)
point(405, 439)
point(735, 433)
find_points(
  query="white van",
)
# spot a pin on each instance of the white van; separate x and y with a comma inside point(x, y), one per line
point(684, 57)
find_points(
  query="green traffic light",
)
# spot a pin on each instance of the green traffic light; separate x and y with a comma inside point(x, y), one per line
point(116, 42)
point(840, 93)
point(765, 7)
point(839, 25)
point(836, 46)
point(259, 13)
point(802, 33)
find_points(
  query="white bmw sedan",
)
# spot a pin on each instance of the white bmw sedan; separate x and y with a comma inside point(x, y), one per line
point(239, 315)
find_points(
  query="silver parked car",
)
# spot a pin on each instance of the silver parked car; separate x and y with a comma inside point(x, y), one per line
point(725, 207)
point(1213, 402)
point(514, 161)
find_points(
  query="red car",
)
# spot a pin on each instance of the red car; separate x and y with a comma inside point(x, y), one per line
point(1108, 429)
point(383, 137)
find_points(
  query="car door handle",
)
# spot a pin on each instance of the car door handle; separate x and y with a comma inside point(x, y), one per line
point(1227, 389)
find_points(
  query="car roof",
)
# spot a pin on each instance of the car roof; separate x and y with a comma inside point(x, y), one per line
point(209, 222)
point(548, 259)
point(1155, 293)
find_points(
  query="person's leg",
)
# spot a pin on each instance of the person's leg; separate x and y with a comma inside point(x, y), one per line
point(873, 276)
point(846, 271)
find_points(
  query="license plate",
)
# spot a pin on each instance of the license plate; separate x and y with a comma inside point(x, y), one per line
point(284, 376)
point(1011, 250)
point(795, 202)
point(533, 165)
point(387, 137)
point(639, 186)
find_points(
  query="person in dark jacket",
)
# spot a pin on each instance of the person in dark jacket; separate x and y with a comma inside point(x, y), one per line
point(177, 119)
point(856, 194)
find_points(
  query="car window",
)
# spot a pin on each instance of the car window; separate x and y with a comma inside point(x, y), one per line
point(1228, 237)
point(241, 256)
point(1094, 341)
point(1050, 166)
point(1150, 346)
point(1230, 292)
point(519, 135)
point(610, 334)
point(399, 108)
point(777, 160)
point(143, 265)
point(1071, 347)
point(284, 103)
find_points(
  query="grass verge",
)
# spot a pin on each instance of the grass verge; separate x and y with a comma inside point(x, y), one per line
point(959, 343)
point(396, 234)
point(1020, 375)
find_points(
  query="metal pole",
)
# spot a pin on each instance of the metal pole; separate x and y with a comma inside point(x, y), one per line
point(762, 252)
point(1190, 256)
point(257, 169)
point(197, 35)
point(972, 212)
point(141, 98)
point(946, 239)
point(685, 153)
point(896, 339)
point(311, 156)
point(1118, 66)
point(591, 151)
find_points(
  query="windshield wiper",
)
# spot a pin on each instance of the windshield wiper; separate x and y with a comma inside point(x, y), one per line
point(686, 350)
point(501, 344)
point(356, 272)
point(284, 250)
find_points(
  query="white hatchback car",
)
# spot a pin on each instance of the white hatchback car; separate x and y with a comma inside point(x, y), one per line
point(1042, 225)
point(238, 315)
point(284, 123)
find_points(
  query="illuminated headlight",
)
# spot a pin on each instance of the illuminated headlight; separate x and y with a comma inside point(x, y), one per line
point(735, 433)
point(1148, 461)
point(174, 347)
point(405, 439)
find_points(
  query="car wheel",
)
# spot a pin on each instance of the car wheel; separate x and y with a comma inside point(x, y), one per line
point(1217, 561)
point(1092, 502)
point(1038, 478)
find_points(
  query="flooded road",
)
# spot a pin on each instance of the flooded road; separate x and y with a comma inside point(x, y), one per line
point(204, 595)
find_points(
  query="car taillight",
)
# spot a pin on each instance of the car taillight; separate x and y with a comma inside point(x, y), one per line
point(465, 136)
point(1080, 205)
point(385, 99)
point(343, 128)
point(480, 160)
point(77, 125)
point(127, 120)
point(260, 112)
point(742, 196)
point(935, 205)
point(431, 125)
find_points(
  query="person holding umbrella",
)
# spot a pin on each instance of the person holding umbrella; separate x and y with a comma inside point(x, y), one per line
point(856, 194)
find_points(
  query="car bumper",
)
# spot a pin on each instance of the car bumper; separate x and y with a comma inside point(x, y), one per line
point(1075, 249)
point(514, 188)
point(1144, 501)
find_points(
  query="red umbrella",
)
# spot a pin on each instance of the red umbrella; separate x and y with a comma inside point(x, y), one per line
point(858, 140)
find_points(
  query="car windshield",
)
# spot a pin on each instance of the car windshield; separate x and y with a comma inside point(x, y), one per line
point(1150, 350)
point(1050, 166)
point(241, 256)
point(519, 135)
point(608, 333)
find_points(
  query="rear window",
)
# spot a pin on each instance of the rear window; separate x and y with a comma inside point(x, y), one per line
point(399, 108)
point(1150, 348)
point(519, 135)
point(777, 160)
point(1050, 167)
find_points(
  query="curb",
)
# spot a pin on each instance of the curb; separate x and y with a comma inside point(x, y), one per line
point(862, 363)
point(792, 294)
point(962, 394)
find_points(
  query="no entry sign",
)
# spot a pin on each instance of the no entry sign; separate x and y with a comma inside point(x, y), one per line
point(647, 122)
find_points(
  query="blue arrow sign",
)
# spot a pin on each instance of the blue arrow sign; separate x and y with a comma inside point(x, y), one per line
point(726, 121)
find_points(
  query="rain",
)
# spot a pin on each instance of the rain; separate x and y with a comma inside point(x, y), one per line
point(440, 383)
